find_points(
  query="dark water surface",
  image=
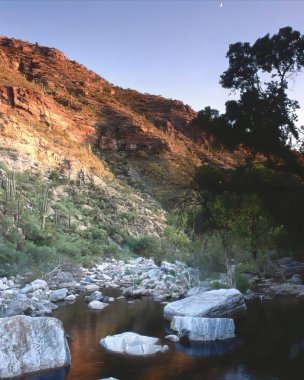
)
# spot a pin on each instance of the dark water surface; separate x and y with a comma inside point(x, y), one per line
point(269, 345)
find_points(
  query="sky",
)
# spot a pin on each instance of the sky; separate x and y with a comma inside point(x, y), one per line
point(173, 48)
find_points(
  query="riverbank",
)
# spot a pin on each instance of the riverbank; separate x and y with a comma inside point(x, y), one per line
point(133, 278)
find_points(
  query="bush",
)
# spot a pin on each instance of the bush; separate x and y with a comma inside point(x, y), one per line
point(176, 237)
point(146, 246)
point(216, 285)
point(242, 282)
point(12, 261)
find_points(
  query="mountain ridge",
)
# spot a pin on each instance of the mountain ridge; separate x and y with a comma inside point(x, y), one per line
point(40, 83)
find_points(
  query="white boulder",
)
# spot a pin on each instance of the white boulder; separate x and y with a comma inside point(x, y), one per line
point(97, 305)
point(28, 345)
point(155, 274)
point(132, 344)
point(33, 286)
point(172, 338)
point(59, 295)
point(214, 303)
point(91, 287)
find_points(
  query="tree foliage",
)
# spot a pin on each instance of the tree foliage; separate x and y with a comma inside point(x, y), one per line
point(263, 119)
point(250, 202)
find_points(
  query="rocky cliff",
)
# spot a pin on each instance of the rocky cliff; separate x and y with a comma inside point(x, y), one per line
point(57, 114)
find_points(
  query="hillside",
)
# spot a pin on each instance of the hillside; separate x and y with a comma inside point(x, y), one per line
point(66, 127)
point(40, 85)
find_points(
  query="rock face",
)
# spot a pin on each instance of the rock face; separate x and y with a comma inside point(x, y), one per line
point(132, 344)
point(214, 303)
point(28, 345)
point(204, 329)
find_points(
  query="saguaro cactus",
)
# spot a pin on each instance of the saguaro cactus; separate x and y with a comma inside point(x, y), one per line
point(10, 185)
point(19, 207)
point(45, 207)
point(81, 177)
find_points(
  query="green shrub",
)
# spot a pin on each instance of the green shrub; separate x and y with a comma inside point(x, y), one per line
point(146, 246)
point(12, 261)
point(216, 285)
point(242, 282)
point(177, 237)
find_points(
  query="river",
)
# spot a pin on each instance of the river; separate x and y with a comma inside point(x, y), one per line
point(269, 344)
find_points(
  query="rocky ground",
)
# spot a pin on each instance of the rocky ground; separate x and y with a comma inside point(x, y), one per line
point(134, 278)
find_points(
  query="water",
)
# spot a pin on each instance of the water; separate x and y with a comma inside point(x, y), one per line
point(269, 345)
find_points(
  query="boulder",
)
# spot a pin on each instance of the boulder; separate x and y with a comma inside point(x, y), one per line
point(135, 293)
point(204, 286)
point(70, 298)
point(97, 305)
point(28, 345)
point(91, 287)
point(95, 296)
point(214, 303)
point(296, 279)
point(204, 329)
point(33, 286)
point(132, 344)
point(106, 299)
point(172, 338)
point(3, 285)
point(155, 274)
point(59, 295)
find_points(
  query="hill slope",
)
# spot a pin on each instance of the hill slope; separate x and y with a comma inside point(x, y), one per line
point(81, 134)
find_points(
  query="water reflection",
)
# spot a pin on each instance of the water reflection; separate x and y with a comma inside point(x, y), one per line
point(59, 374)
point(208, 349)
point(269, 345)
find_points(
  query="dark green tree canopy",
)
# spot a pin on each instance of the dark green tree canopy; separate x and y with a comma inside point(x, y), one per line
point(281, 56)
point(278, 195)
point(263, 118)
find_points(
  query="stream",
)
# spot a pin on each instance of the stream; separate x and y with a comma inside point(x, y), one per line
point(269, 344)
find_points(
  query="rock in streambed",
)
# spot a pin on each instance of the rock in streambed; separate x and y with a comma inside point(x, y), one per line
point(28, 345)
point(223, 303)
point(133, 344)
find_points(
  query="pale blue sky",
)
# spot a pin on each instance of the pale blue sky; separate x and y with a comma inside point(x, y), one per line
point(173, 48)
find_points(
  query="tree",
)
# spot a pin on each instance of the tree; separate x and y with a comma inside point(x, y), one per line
point(263, 118)
point(228, 209)
point(206, 115)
